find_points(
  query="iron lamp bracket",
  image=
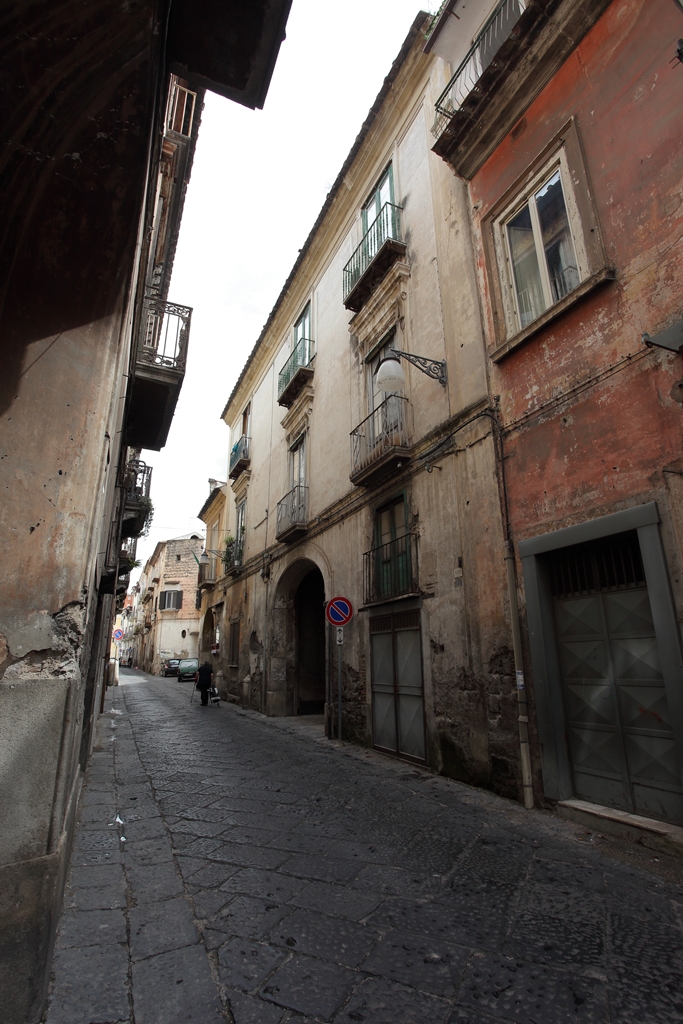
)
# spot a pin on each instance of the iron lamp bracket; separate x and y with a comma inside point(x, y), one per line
point(434, 368)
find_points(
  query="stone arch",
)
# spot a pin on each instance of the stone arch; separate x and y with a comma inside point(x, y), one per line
point(297, 646)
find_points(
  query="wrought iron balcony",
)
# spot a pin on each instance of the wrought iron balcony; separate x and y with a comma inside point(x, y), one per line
point(296, 372)
point(390, 570)
point(239, 457)
point(160, 358)
point(380, 247)
point(137, 505)
point(481, 54)
point(292, 514)
point(207, 574)
point(234, 552)
point(381, 443)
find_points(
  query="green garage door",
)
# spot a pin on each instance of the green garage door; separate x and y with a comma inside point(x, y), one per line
point(621, 745)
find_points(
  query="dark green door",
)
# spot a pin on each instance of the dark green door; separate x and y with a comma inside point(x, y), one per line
point(622, 748)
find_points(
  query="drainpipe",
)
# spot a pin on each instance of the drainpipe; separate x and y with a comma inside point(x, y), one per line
point(522, 709)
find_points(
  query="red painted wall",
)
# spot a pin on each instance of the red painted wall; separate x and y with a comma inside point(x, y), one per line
point(605, 447)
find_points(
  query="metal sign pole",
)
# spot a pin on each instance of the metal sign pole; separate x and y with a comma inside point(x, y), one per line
point(340, 641)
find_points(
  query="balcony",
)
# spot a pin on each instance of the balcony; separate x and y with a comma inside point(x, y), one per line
point(160, 358)
point(239, 457)
point(390, 570)
point(296, 372)
point(137, 506)
point(517, 52)
point(207, 575)
point(232, 559)
point(495, 32)
point(380, 445)
point(292, 514)
point(379, 249)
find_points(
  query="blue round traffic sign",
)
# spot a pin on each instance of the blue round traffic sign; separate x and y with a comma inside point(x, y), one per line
point(339, 611)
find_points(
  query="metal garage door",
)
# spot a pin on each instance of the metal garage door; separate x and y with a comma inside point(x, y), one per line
point(621, 745)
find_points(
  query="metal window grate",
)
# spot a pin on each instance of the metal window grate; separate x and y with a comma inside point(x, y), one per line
point(612, 563)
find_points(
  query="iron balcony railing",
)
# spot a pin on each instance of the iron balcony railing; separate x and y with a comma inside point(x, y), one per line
point(390, 570)
point(386, 226)
point(164, 334)
point(234, 551)
point(239, 452)
point(207, 573)
point(139, 480)
point(303, 353)
point(292, 510)
point(385, 429)
point(129, 547)
point(485, 47)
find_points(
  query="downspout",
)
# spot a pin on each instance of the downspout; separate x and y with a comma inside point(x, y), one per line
point(522, 708)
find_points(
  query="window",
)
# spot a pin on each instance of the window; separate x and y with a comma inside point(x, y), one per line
point(177, 558)
point(234, 644)
point(302, 334)
point(392, 566)
point(375, 394)
point(170, 599)
point(543, 242)
point(246, 421)
point(212, 545)
point(541, 251)
point(239, 534)
point(379, 221)
point(382, 194)
point(298, 462)
point(181, 102)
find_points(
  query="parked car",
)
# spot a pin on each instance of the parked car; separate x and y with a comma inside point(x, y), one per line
point(171, 667)
point(187, 668)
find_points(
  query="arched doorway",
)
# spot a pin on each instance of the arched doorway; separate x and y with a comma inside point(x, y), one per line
point(296, 667)
point(309, 614)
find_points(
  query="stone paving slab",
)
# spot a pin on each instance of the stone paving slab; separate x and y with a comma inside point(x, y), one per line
point(236, 869)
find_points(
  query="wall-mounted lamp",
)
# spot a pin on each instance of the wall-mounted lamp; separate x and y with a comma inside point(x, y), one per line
point(391, 377)
point(204, 557)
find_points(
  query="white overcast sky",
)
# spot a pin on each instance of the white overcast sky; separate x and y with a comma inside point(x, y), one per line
point(259, 180)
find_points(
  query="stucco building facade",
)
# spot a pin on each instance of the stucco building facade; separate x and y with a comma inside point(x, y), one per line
point(507, 524)
point(392, 500)
point(571, 147)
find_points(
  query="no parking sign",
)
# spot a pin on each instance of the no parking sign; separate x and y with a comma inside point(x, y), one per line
point(339, 611)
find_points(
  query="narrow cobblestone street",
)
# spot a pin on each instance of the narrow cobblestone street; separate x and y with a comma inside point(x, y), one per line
point(268, 876)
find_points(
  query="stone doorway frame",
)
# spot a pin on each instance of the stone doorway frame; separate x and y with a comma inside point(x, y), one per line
point(555, 764)
point(281, 684)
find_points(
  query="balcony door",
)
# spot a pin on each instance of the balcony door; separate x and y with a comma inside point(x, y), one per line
point(397, 693)
point(302, 336)
point(392, 552)
point(378, 224)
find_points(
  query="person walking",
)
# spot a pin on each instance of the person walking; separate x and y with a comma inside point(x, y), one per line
point(204, 681)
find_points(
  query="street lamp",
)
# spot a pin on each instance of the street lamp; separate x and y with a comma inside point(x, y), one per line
point(391, 377)
point(204, 557)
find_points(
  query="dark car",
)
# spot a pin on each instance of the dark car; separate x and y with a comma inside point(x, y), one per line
point(171, 667)
point(187, 668)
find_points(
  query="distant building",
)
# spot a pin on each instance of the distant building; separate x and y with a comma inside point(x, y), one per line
point(165, 604)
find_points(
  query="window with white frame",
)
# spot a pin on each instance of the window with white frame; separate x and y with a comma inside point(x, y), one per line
point(170, 599)
point(297, 462)
point(302, 337)
point(239, 532)
point(543, 237)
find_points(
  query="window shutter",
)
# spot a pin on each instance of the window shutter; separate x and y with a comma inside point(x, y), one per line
point(178, 599)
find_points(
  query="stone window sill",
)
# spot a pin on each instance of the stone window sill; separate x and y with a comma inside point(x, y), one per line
point(587, 287)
